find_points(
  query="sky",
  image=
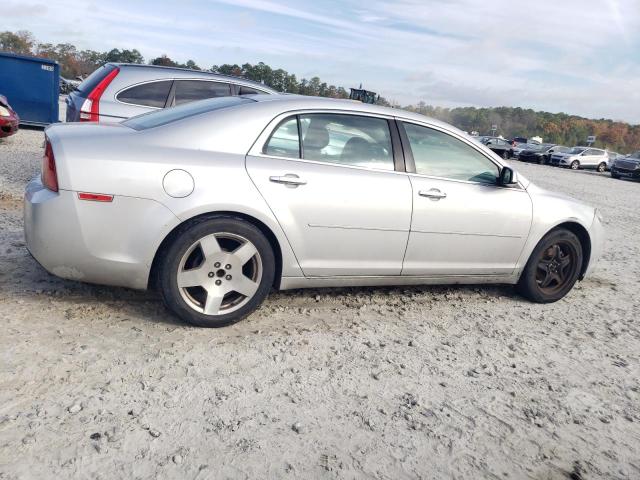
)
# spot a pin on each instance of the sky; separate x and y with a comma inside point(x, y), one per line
point(575, 56)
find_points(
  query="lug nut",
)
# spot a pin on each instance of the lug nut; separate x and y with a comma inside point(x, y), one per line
point(228, 266)
point(217, 264)
point(228, 277)
point(211, 274)
point(218, 282)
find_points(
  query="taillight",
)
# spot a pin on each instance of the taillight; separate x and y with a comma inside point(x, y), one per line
point(90, 109)
point(49, 174)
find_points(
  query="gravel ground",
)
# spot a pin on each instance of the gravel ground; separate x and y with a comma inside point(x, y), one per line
point(390, 383)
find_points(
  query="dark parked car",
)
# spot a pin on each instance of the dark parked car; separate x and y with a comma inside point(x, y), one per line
point(9, 119)
point(626, 167)
point(500, 146)
point(541, 153)
point(121, 90)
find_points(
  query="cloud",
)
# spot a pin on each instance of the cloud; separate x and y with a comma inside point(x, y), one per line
point(571, 55)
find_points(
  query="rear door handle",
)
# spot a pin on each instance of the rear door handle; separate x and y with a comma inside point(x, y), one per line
point(432, 193)
point(288, 179)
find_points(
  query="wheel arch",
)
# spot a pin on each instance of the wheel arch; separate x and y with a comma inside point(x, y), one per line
point(585, 241)
point(267, 232)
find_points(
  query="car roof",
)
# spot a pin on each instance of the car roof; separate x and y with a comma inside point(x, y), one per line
point(302, 102)
point(181, 72)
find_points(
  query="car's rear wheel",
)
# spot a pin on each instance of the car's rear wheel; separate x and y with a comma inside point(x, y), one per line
point(575, 165)
point(216, 271)
point(553, 267)
point(602, 167)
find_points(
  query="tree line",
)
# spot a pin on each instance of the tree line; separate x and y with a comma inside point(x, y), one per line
point(558, 128)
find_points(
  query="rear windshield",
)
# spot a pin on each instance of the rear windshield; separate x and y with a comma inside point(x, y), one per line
point(170, 115)
point(95, 78)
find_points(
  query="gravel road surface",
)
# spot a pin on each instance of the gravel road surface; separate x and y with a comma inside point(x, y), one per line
point(389, 383)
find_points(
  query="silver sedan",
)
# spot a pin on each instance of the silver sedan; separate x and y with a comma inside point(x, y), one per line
point(215, 203)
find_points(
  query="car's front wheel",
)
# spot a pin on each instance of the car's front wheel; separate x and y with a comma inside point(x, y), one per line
point(216, 271)
point(553, 267)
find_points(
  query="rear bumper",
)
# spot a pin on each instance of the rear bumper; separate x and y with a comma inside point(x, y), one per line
point(105, 243)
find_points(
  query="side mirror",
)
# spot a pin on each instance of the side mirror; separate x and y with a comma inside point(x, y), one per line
point(507, 177)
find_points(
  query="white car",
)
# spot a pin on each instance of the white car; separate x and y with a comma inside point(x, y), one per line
point(582, 157)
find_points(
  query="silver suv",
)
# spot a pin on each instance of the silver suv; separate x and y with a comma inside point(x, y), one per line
point(117, 91)
point(582, 157)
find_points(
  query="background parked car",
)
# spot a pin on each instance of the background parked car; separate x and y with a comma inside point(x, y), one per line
point(500, 146)
point(9, 119)
point(120, 90)
point(582, 157)
point(541, 153)
point(518, 148)
point(627, 167)
point(67, 85)
point(530, 140)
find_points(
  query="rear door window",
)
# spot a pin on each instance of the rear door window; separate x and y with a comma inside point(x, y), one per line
point(152, 94)
point(346, 140)
point(192, 90)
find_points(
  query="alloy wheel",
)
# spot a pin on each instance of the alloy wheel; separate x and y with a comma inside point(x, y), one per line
point(602, 167)
point(219, 273)
point(556, 267)
point(575, 165)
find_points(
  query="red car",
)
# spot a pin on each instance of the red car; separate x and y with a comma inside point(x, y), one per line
point(9, 119)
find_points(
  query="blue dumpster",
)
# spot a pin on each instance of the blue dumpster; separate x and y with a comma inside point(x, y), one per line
point(32, 86)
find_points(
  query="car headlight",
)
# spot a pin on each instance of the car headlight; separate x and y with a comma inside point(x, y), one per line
point(4, 112)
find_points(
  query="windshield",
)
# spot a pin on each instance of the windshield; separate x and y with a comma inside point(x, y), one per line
point(169, 115)
point(576, 150)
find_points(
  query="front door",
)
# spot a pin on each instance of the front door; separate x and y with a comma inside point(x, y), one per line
point(336, 194)
point(462, 223)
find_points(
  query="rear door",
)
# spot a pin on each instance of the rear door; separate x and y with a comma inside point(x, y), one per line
point(594, 157)
point(331, 180)
point(463, 223)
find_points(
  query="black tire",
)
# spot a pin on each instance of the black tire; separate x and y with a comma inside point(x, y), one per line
point(184, 241)
point(540, 268)
point(575, 165)
point(602, 167)
point(614, 175)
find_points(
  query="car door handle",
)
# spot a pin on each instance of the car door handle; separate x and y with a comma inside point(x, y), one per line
point(288, 179)
point(432, 193)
